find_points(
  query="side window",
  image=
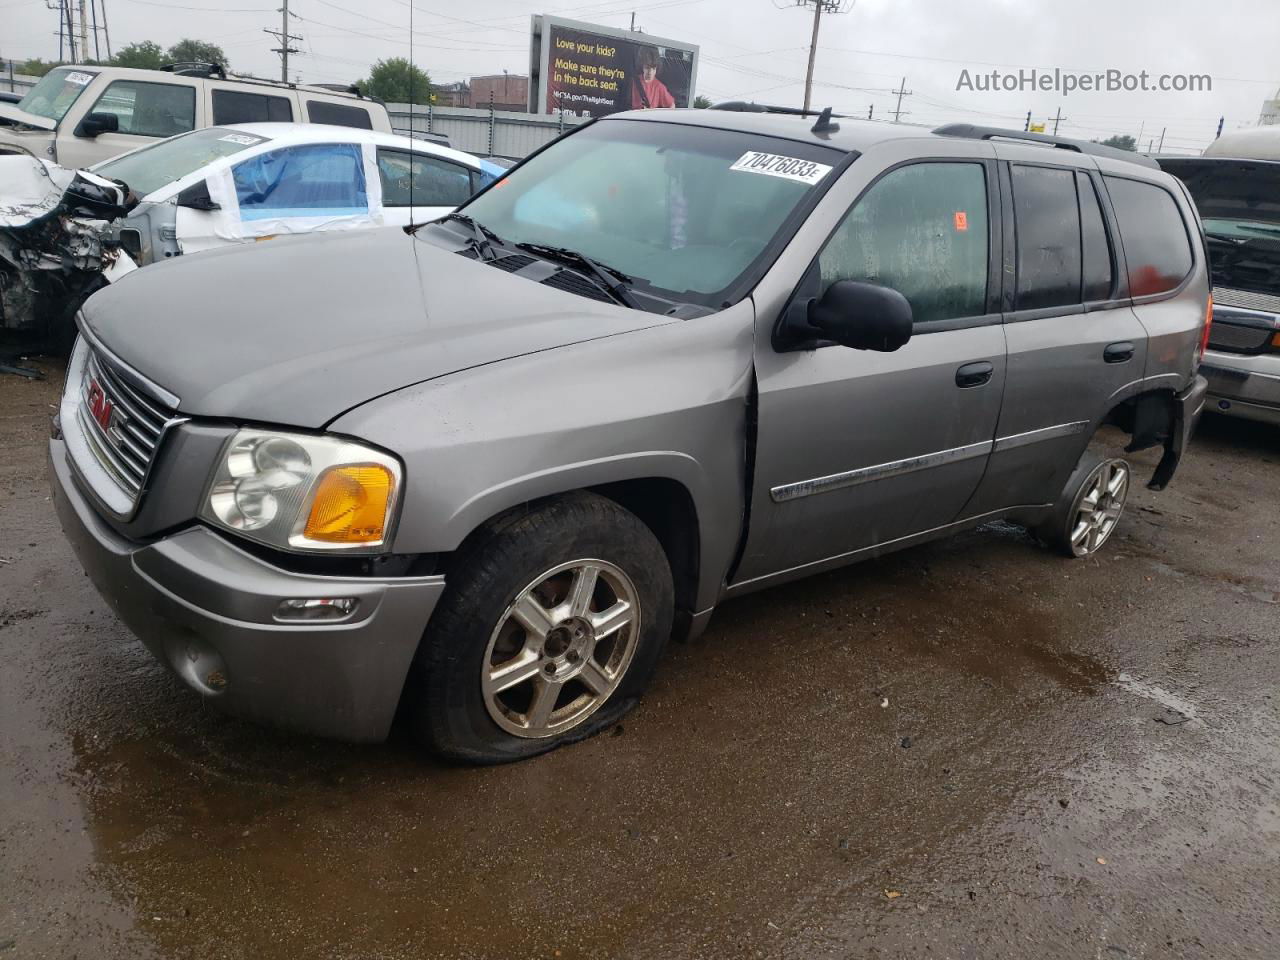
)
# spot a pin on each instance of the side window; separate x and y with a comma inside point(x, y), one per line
point(316, 180)
point(1048, 237)
point(921, 230)
point(234, 106)
point(149, 109)
point(338, 114)
point(1156, 244)
point(434, 182)
point(1097, 260)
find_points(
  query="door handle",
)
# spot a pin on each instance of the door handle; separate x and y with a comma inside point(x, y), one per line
point(974, 374)
point(1118, 352)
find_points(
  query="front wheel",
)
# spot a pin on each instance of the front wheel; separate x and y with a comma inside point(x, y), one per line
point(550, 629)
point(1090, 508)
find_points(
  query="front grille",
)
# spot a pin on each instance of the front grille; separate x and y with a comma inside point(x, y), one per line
point(1236, 338)
point(121, 424)
point(1246, 299)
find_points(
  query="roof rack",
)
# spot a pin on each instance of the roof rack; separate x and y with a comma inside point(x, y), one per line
point(741, 106)
point(973, 132)
point(196, 68)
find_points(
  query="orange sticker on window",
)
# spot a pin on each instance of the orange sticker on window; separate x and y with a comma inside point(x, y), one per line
point(962, 221)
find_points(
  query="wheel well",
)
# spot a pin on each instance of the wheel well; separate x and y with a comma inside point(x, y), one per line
point(1148, 418)
point(666, 508)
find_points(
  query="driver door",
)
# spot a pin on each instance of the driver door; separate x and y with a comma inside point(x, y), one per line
point(856, 448)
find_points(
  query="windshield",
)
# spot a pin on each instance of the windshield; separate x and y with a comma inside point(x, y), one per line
point(1242, 229)
point(55, 92)
point(147, 170)
point(682, 209)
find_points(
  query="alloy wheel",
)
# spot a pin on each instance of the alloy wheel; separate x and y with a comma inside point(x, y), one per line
point(1099, 507)
point(561, 649)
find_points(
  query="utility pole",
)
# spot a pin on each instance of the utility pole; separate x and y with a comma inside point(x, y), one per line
point(84, 32)
point(93, 8)
point(1162, 132)
point(902, 91)
point(284, 36)
point(1221, 122)
point(871, 111)
point(1026, 127)
point(106, 34)
point(830, 6)
point(1058, 118)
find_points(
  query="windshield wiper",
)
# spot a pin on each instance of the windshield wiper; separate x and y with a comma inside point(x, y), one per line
point(482, 238)
point(611, 280)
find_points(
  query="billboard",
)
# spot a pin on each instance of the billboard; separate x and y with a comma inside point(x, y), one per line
point(592, 71)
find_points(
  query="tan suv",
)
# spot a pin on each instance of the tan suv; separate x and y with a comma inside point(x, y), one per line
point(78, 116)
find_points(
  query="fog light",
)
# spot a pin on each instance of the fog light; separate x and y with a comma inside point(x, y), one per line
point(322, 608)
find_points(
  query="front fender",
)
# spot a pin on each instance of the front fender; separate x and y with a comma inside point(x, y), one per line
point(667, 402)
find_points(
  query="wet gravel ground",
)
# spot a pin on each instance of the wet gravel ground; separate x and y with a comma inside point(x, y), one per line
point(969, 749)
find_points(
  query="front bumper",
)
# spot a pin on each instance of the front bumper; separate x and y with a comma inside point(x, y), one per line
point(206, 609)
point(1244, 386)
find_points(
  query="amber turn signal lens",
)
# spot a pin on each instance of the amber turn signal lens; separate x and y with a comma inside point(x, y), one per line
point(1275, 341)
point(351, 505)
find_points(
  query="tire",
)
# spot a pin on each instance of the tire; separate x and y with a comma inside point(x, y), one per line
point(487, 631)
point(1077, 527)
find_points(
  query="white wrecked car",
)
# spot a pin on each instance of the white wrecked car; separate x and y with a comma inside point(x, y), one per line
point(65, 233)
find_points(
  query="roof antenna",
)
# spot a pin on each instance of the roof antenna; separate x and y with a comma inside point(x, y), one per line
point(824, 127)
point(411, 116)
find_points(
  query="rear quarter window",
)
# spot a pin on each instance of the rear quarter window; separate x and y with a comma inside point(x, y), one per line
point(1156, 243)
point(339, 114)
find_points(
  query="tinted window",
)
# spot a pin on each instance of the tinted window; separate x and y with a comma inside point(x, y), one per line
point(317, 180)
point(1093, 238)
point(232, 106)
point(1155, 239)
point(149, 109)
point(338, 114)
point(427, 181)
point(1048, 232)
point(921, 230)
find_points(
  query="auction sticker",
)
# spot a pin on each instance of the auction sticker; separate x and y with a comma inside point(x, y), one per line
point(243, 139)
point(789, 168)
point(80, 79)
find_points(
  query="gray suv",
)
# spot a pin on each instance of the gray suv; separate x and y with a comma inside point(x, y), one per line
point(482, 469)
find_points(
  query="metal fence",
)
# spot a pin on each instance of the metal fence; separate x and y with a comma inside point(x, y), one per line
point(13, 82)
point(486, 133)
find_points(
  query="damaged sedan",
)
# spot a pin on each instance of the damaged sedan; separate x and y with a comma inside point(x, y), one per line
point(64, 234)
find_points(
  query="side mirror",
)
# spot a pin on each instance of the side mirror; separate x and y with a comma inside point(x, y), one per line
point(862, 316)
point(96, 123)
point(197, 197)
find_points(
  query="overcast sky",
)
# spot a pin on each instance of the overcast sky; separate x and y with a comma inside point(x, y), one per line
point(757, 49)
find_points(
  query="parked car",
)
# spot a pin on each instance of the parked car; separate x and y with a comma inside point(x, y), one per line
point(77, 116)
point(1237, 191)
point(489, 466)
point(210, 188)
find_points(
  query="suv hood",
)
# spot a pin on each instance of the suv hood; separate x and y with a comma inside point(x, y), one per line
point(1226, 189)
point(1229, 189)
point(10, 115)
point(301, 329)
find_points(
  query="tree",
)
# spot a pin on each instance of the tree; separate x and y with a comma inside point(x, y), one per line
point(390, 80)
point(701, 103)
point(36, 67)
point(144, 56)
point(1121, 141)
point(197, 51)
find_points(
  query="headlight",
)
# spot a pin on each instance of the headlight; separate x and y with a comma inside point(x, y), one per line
point(303, 492)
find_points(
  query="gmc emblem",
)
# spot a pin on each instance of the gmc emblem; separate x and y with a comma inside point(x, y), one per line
point(99, 405)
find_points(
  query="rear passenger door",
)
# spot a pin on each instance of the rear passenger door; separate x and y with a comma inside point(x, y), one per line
point(428, 186)
point(1074, 344)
